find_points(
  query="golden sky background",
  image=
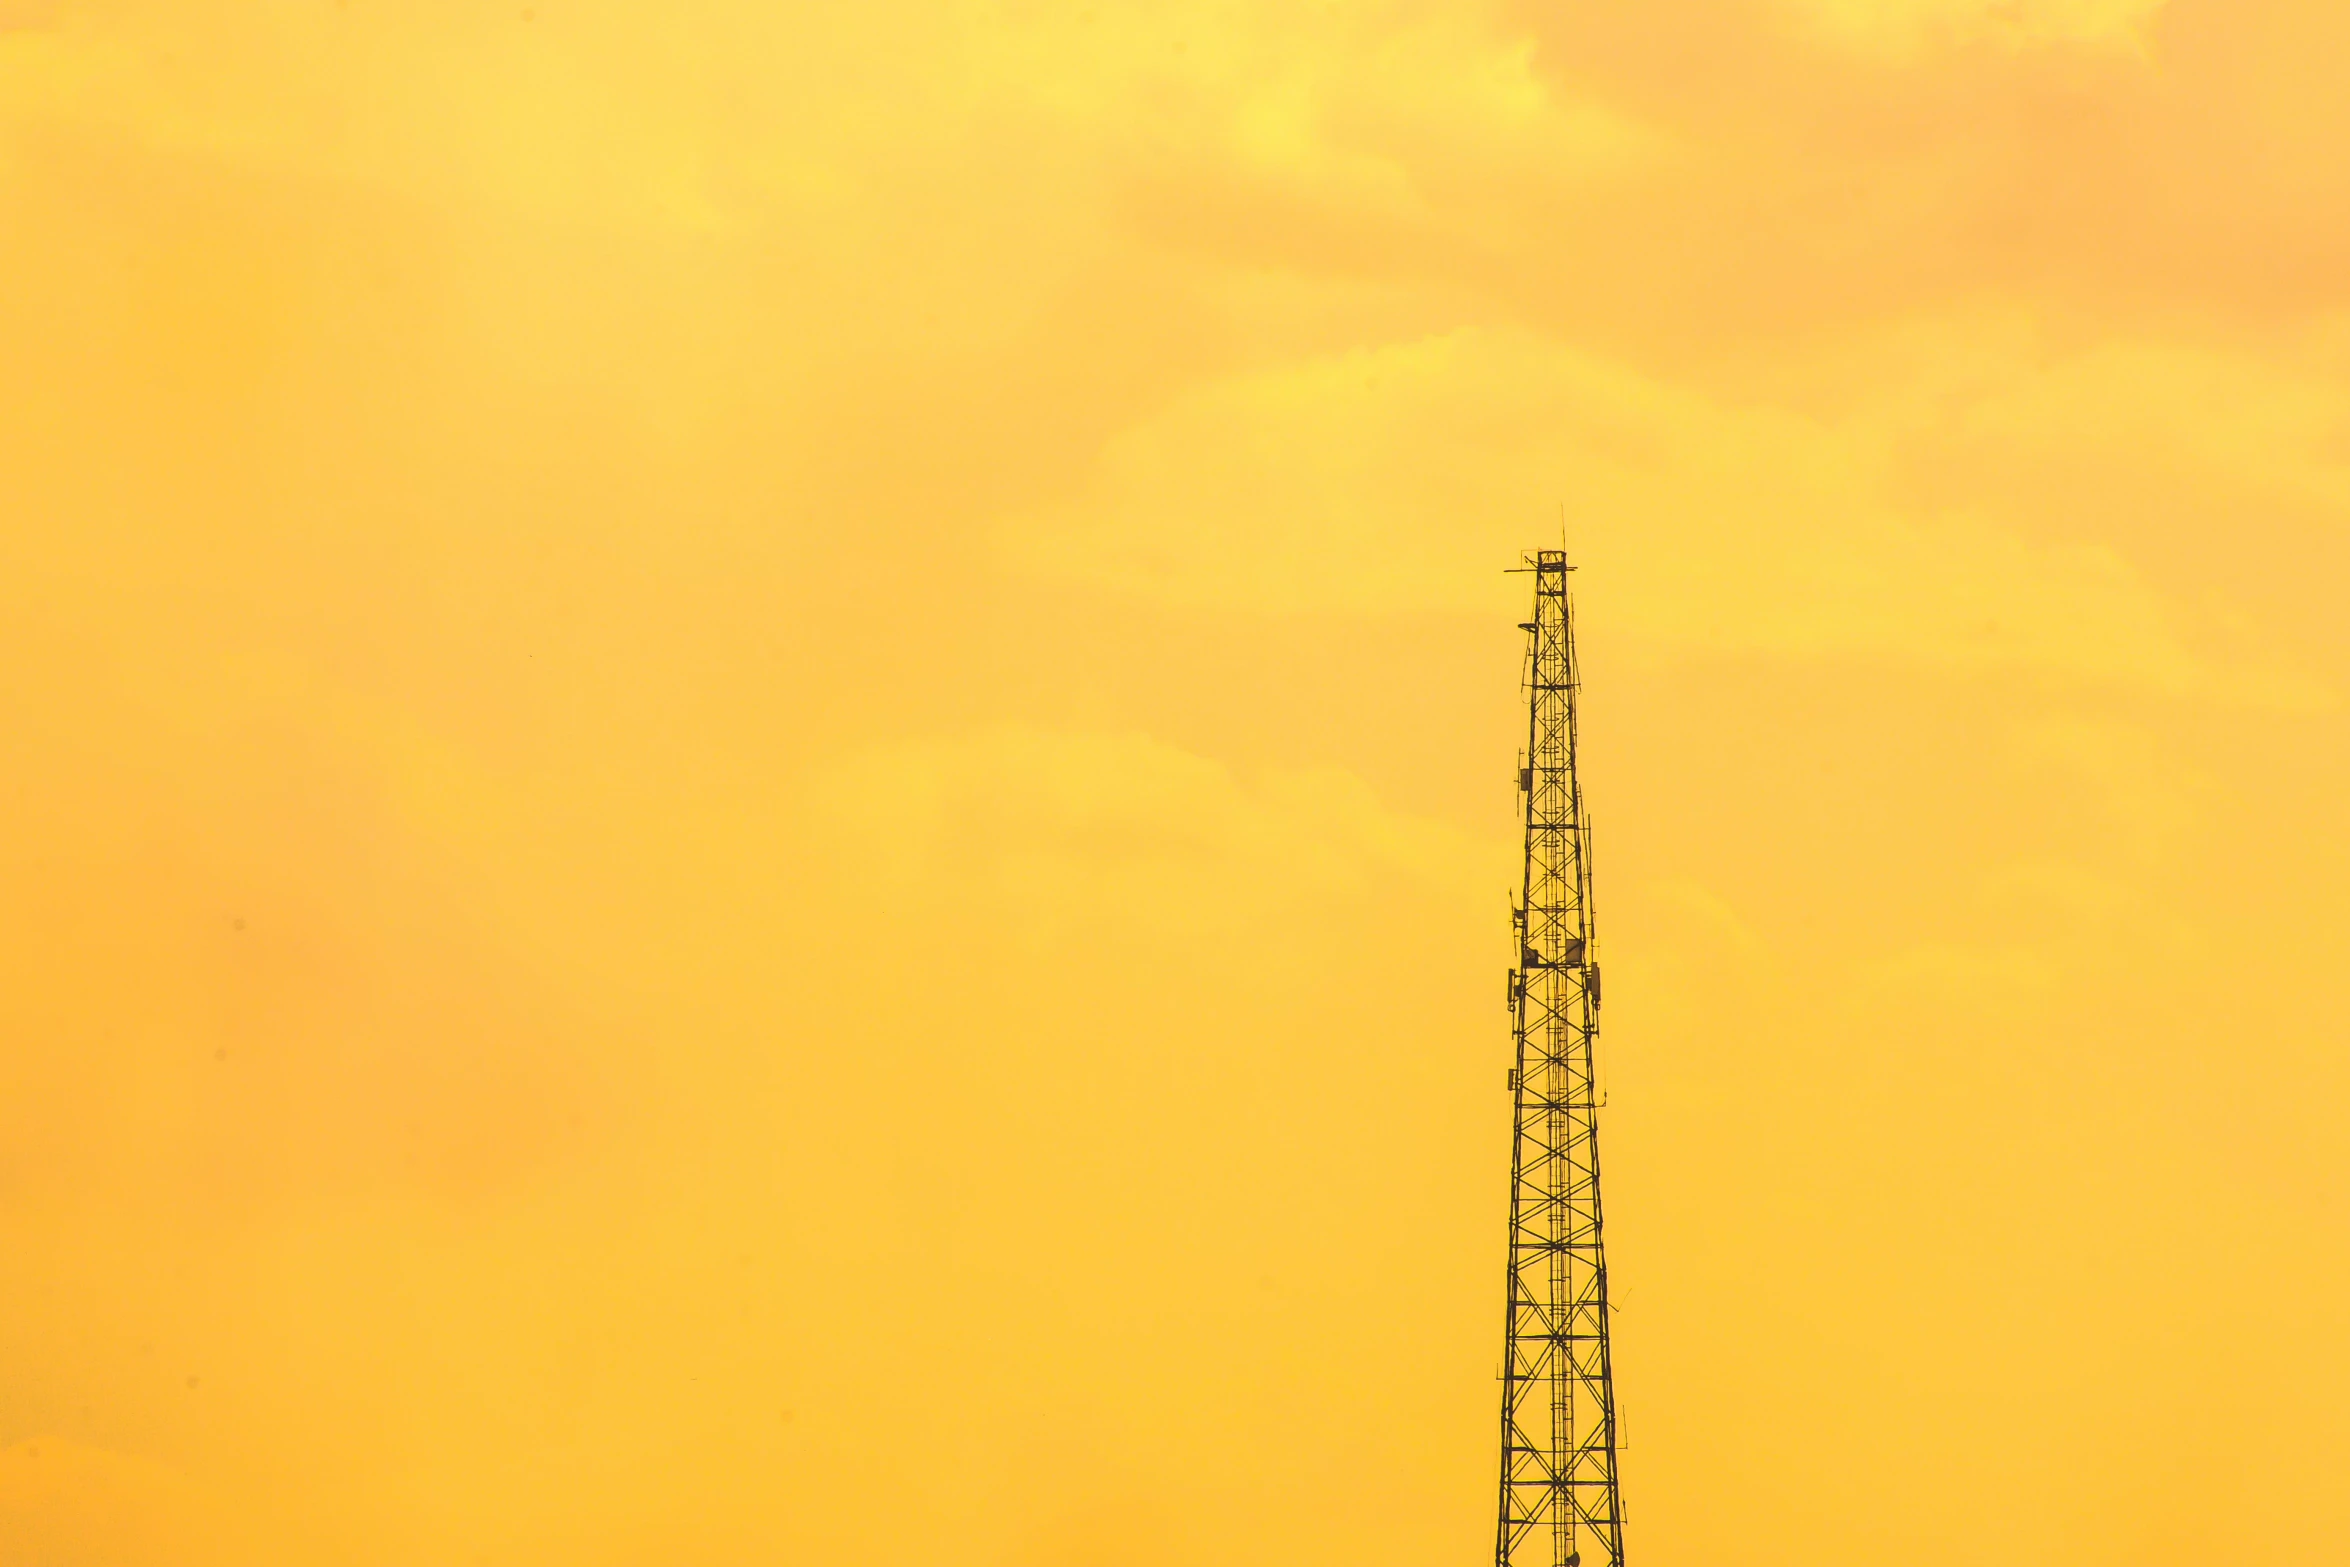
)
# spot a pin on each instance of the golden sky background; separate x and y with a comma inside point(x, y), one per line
point(759, 773)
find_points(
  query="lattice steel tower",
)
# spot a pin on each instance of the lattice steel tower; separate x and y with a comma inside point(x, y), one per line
point(1559, 1505)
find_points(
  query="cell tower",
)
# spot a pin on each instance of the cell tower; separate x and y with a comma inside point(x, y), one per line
point(1559, 1505)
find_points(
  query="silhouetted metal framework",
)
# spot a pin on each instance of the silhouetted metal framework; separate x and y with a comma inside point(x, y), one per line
point(1559, 1503)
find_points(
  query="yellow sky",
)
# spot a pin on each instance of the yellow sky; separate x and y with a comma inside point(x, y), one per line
point(758, 773)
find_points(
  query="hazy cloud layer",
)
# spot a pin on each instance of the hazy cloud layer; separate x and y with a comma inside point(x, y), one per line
point(752, 745)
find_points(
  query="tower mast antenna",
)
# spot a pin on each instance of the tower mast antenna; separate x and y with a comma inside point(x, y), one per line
point(1559, 1502)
